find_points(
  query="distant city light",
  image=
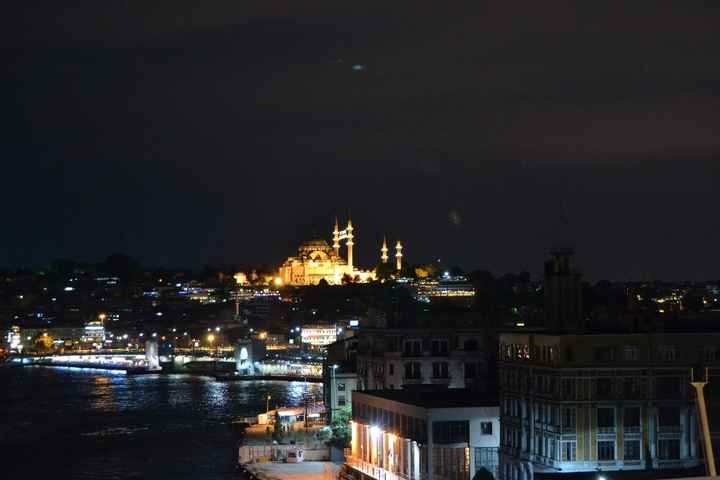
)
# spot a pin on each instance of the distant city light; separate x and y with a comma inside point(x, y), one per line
point(69, 289)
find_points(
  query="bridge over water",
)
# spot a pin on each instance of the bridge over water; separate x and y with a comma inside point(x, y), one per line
point(241, 365)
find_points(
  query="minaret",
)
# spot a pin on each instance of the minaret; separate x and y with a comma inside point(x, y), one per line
point(349, 243)
point(384, 251)
point(336, 238)
point(398, 255)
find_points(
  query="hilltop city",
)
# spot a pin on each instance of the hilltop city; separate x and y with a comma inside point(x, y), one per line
point(430, 367)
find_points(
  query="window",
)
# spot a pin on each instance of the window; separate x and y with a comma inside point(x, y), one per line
point(440, 370)
point(487, 457)
point(712, 354)
point(470, 344)
point(412, 370)
point(632, 450)
point(341, 400)
point(606, 420)
point(605, 354)
point(412, 348)
point(439, 347)
point(471, 370)
point(569, 354)
point(567, 451)
point(631, 419)
point(669, 353)
point(669, 449)
point(486, 428)
point(606, 450)
point(340, 387)
point(631, 353)
point(568, 420)
point(391, 369)
point(451, 432)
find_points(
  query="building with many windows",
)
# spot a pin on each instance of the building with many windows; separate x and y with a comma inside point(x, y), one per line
point(397, 358)
point(318, 335)
point(418, 434)
point(574, 403)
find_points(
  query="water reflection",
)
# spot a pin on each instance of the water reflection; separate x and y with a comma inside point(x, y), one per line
point(107, 425)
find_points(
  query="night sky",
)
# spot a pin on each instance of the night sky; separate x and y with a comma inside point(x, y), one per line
point(479, 132)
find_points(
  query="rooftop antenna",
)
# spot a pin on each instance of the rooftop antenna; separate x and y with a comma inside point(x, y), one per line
point(702, 411)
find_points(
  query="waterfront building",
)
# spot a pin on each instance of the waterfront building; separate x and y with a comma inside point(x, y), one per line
point(448, 291)
point(582, 403)
point(417, 434)
point(316, 260)
point(575, 400)
point(318, 335)
point(94, 332)
point(339, 374)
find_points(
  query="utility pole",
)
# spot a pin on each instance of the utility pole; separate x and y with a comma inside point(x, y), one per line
point(305, 394)
point(702, 412)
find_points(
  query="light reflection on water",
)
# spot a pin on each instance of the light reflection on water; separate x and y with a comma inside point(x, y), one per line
point(91, 424)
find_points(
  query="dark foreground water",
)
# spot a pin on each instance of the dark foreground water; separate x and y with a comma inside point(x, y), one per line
point(82, 424)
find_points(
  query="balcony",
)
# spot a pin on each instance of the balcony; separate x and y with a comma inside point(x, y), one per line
point(670, 429)
point(376, 472)
point(606, 430)
point(632, 429)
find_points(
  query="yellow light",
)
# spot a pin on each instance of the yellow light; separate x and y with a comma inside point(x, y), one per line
point(278, 282)
point(102, 316)
point(211, 338)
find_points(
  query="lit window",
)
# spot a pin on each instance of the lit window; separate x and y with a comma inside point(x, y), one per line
point(486, 428)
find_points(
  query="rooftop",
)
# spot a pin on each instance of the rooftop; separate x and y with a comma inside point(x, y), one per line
point(436, 398)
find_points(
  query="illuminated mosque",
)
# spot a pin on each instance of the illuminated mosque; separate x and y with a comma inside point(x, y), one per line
point(316, 260)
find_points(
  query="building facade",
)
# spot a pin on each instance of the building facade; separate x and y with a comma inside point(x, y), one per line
point(401, 434)
point(318, 335)
point(585, 403)
point(316, 260)
point(397, 358)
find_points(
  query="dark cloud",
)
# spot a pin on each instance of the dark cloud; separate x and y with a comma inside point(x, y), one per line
point(182, 132)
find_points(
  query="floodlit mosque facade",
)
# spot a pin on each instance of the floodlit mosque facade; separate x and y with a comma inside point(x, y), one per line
point(316, 260)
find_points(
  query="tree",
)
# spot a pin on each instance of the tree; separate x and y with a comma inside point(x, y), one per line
point(43, 342)
point(340, 427)
point(384, 271)
point(346, 279)
point(483, 474)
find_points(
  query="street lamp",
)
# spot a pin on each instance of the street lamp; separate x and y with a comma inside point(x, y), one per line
point(332, 388)
point(211, 339)
point(267, 404)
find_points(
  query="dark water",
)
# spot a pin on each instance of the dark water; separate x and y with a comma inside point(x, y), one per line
point(82, 424)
